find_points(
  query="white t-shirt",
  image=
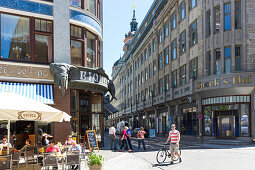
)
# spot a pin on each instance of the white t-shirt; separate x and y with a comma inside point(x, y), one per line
point(112, 130)
point(2, 145)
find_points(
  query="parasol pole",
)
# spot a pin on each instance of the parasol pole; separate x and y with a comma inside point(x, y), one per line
point(8, 138)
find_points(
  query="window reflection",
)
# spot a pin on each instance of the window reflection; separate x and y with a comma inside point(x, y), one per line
point(91, 60)
point(15, 35)
point(76, 53)
point(43, 49)
point(91, 6)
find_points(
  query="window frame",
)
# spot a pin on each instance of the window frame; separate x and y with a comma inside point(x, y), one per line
point(193, 32)
point(182, 38)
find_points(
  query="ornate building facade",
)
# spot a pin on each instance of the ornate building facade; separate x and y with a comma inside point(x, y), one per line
point(191, 62)
point(47, 41)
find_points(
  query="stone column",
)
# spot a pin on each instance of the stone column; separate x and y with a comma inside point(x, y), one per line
point(222, 56)
point(232, 35)
point(61, 31)
point(156, 122)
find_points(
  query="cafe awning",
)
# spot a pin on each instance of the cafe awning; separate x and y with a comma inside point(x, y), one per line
point(42, 93)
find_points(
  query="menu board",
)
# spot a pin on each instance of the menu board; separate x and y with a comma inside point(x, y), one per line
point(92, 140)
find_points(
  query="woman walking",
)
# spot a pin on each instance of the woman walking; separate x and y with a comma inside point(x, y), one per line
point(140, 137)
point(124, 138)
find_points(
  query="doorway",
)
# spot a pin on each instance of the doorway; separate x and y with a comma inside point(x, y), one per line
point(226, 123)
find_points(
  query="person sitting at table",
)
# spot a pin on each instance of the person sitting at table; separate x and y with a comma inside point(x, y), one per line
point(52, 147)
point(45, 140)
point(68, 140)
point(28, 143)
point(5, 143)
point(74, 147)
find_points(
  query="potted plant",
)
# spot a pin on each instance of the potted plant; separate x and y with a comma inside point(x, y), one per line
point(95, 161)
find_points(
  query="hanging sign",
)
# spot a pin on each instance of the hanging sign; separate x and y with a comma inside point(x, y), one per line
point(199, 116)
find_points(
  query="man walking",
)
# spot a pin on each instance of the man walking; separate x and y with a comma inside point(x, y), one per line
point(129, 139)
point(174, 145)
point(112, 133)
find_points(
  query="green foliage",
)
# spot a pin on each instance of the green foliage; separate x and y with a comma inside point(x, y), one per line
point(94, 159)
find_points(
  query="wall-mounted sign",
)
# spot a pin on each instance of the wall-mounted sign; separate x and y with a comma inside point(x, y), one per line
point(27, 115)
point(225, 81)
point(20, 71)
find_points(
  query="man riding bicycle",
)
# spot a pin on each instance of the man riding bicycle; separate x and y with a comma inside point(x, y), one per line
point(174, 146)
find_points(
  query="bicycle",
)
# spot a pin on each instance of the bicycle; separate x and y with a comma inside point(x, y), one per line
point(164, 152)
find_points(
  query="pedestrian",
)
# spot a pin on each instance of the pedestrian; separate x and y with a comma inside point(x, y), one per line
point(124, 138)
point(129, 139)
point(140, 137)
point(174, 145)
point(112, 133)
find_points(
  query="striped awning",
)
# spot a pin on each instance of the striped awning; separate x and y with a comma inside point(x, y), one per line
point(39, 92)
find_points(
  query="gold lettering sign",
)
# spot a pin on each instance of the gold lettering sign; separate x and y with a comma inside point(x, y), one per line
point(31, 72)
point(217, 82)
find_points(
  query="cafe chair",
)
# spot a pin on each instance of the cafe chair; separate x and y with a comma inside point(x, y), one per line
point(16, 159)
point(49, 160)
point(73, 159)
point(30, 157)
point(6, 162)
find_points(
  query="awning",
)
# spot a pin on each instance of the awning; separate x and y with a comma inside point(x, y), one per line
point(39, 92)
point(109, 109)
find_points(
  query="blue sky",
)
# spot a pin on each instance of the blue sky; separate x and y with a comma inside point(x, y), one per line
point(117, 17)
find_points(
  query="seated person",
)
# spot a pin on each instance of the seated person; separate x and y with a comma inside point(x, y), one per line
point(52, 147)
point(74, 147)
point(28, 143)
point(45, 140)
point(68, 140)
point(5, 143)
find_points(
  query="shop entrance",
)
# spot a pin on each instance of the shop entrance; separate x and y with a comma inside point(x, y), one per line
point(226, 123)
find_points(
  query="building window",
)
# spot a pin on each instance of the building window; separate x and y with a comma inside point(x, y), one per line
point(182, 47)
point(166, 55)
point(227, 13)
point(193, 33)
point(192, 4)
point(76, 3)
point(209, 62)
point(238, 15)
point(149, 50)
point(173, 21)
point(76, 53)
point(217, 19)
point(138, 62)
point(43, 25)
point(154, 67)
point(91, 50)
point(227, 60)
point(141, 56)
point(138, 81)
point(142, 77)
point(166, 29)
point(182, 75)
point(154, 90)
point(182, 11)
point(160, 36)
point(217, 62)
point(193, 69)
point(154, 45)
point(174, 78)
point(174, 55)
point(160, 63)
point(150, 91)
point(150, 71)
point(208, 18)
point(166, 83)
point(160, 86)
point(238, 62)
point(15, 38)
point(135, 65)
point(146, 74)
point(91, 6)
point(145, 54)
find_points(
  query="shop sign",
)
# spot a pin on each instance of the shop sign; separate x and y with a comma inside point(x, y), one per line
point(199, 116)
point(217, 82)
point(22, 71)
point(152, 133)
point(26, 115)
point(93, 77)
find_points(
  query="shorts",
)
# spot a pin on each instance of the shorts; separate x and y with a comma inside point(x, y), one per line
point(174, 148)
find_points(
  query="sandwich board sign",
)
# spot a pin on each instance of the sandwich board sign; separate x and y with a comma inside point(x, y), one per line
point(92, 140)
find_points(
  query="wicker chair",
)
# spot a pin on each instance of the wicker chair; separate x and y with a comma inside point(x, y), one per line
point(72, 159)
point(30, 157)
point(6, 162)
point(16, 159)
point(49, 160)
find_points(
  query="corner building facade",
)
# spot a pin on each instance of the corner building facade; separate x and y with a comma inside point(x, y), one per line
point(67, 34)
point(191, 57)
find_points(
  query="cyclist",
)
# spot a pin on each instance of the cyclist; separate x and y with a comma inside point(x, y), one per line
point(174, 146)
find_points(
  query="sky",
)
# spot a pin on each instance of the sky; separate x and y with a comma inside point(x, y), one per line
point(117, 16)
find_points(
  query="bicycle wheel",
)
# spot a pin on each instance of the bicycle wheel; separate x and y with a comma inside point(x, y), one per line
point(161, 155)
